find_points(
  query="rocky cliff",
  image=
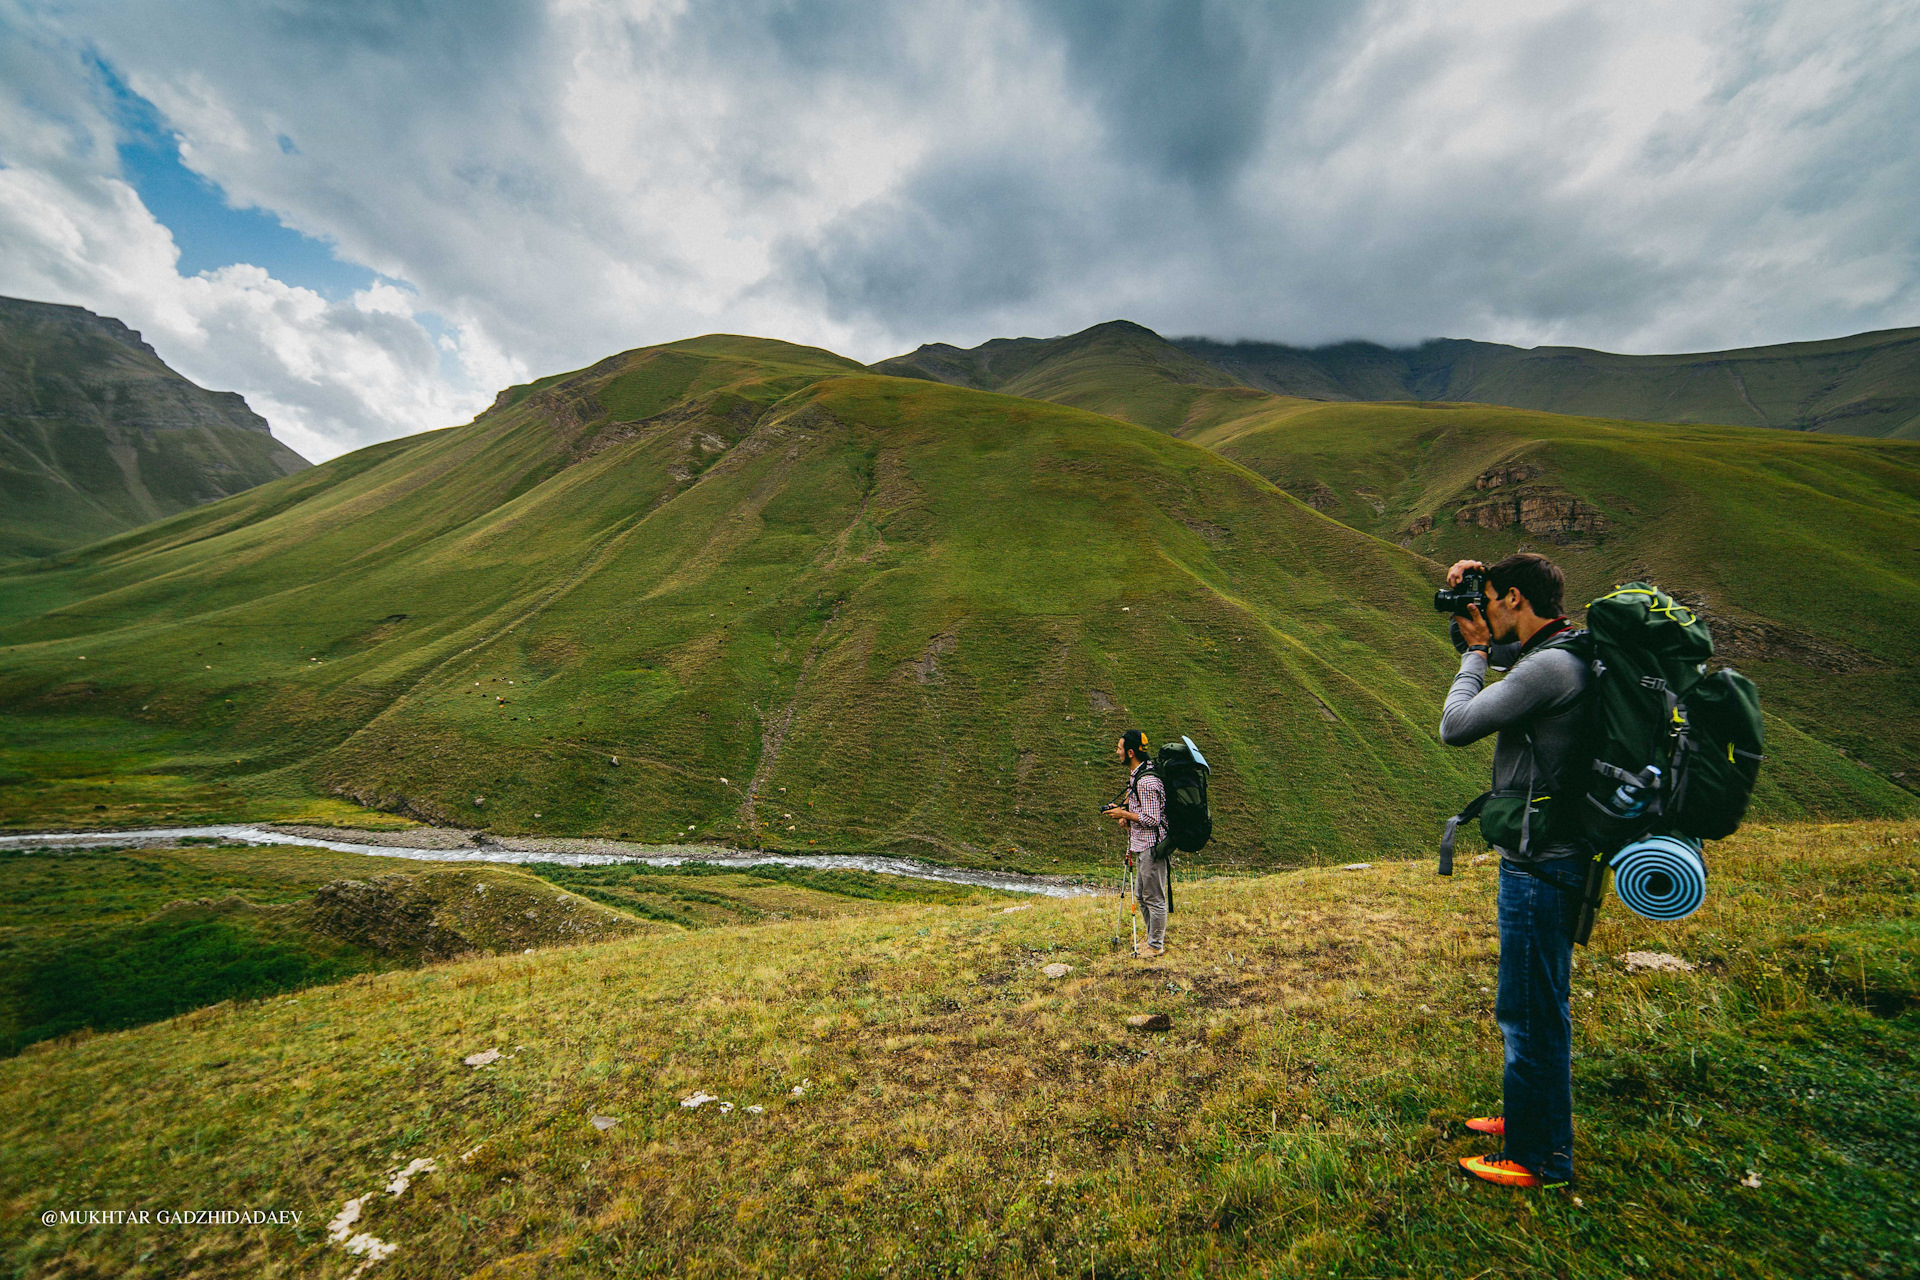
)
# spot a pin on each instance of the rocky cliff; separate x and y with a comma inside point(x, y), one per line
point(98, 435)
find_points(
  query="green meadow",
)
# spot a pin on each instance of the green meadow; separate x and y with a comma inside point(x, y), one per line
point(95, 940)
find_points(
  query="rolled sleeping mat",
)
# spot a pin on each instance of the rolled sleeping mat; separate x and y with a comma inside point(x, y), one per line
point(1661, 877)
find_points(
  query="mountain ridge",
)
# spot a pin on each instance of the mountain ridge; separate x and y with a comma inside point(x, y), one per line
point(1862, 384)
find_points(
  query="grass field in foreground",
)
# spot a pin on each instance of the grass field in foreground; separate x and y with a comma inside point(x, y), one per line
point(934, 1105)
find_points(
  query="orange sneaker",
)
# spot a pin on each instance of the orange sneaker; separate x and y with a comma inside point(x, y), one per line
point(1495, 1125)
point(1499, 1171)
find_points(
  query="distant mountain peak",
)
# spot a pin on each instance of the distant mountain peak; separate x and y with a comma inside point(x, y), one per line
point(98, 435)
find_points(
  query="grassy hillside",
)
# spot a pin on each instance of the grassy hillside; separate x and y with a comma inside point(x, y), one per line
point(1120, 369)
point(106, 939)
point(98, 435)
point(735, 590)
point(732, 590)
point(1803, 551)
point(1864, 385)
point(930, 1102)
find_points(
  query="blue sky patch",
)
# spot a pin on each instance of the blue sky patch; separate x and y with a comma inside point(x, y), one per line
point(212, 233)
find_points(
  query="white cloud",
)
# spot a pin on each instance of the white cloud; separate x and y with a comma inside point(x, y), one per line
point(329, 376)
point(562, 181)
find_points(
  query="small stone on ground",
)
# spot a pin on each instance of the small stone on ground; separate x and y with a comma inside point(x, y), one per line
point(1358, 866)
point(484, 1058)
point(1149, 1022)
point(1655, 962)
point(1057, 970)
point(604, 1123)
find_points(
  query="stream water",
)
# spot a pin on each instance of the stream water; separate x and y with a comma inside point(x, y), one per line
point(1052, 887)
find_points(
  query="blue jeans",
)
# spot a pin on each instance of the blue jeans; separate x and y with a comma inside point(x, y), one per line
point(1539, 908)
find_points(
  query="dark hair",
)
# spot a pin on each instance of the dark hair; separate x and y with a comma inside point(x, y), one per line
point(1539, 579)
point(1135, 740)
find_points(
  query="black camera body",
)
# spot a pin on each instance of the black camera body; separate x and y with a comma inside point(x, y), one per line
point(1460, 600)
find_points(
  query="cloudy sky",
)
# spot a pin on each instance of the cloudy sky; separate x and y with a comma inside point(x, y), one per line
point(370, 215)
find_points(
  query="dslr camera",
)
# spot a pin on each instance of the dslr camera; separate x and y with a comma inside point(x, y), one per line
point(1460, 600)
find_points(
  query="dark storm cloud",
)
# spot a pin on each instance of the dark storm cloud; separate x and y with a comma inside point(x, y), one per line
point(1185, 87)
point(1571, 173)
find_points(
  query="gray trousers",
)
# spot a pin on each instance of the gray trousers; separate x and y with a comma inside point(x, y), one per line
point(1153, 896)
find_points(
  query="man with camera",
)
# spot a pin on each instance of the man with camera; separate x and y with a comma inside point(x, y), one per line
point(1146, 825)
point(1509, 616)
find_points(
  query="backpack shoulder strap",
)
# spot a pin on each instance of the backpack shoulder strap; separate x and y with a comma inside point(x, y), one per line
point(1467, 814)
point(1133, 783)
point(1579, 642)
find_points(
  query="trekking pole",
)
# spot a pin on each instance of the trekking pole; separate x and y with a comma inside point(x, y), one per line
point(1133, 910)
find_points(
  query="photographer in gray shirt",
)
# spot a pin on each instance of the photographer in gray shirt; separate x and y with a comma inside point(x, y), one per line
point(1539, 713)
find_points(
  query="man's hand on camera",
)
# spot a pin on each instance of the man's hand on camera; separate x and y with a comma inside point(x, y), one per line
point(1473, 627)
point(1459, 568)
point(1123, 815)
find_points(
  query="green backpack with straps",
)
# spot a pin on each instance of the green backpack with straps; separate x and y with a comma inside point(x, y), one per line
point(1671, 747)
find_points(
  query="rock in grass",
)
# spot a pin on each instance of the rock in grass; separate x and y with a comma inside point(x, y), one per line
point(1358, 866)
point(484, 1058)
point(1057, 970)
point(604, 1123)
point(1655, 962)
point(1149, 1022)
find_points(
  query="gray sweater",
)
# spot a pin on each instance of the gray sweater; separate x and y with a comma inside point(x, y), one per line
point(1541, 694)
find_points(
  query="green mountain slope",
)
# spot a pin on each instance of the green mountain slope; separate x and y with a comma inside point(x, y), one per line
point(1803, 551)
point(1865, 385)
point(1802, 548)
point(739, 590)
point(1119, 368)
point(98, 435)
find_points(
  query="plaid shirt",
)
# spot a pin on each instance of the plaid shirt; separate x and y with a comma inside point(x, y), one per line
point(1150, 802)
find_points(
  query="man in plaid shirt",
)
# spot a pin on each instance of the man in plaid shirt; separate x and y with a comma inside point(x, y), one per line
point(1146, 825)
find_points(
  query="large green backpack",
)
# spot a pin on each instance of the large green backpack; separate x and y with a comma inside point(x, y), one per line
point(1680, 746)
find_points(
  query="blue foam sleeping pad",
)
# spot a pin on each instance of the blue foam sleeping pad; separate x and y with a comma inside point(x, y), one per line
point(1661, 877)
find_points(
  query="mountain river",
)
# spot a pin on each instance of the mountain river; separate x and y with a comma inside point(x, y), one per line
point(488, 849)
